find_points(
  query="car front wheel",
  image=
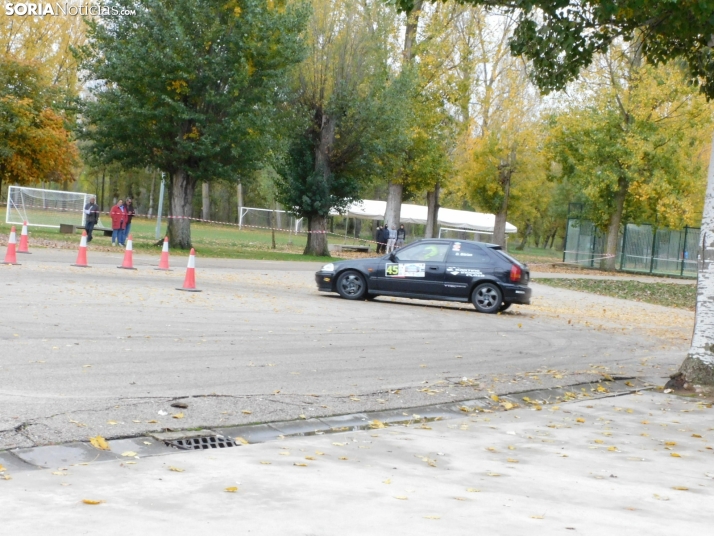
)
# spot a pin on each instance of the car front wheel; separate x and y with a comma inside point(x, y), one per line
point(487, 298)
point(351, 285)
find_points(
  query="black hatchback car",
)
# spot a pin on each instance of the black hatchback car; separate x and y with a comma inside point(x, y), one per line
point(451, 270)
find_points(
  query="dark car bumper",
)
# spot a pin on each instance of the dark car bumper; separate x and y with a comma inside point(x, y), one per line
point(517, 294)
point(325, 281)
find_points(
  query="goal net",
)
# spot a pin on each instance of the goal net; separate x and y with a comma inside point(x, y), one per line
point(45, 208)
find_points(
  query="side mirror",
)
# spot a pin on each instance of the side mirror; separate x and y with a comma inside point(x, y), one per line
point(392, 257)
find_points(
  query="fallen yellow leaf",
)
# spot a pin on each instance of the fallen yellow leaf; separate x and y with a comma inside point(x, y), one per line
point(670, 443)
point(231, 489)
point(177, 416)
point(176, 469)
point(680, 488)
point(91, 501)
point(495, 398)
point(246, 412)
point(579, 419)
point(112, 422)
point(696, 435)
point(511, 460)
point(129, 454)
point(612, 449)
point(2, 468)
point(300, 464)
point(536, 517)
point(675, 455)
point(99, 442)
point(265, 462)
point(375, 424)
point(241, 440)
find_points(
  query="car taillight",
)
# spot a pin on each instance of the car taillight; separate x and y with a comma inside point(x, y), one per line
point(515, 273)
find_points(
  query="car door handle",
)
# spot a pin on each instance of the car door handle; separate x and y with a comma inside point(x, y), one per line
point(433, 267)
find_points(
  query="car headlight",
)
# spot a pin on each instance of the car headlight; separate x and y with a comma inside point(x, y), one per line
point(328, 268)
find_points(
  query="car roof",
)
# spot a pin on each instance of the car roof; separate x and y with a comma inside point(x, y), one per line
point(454, 240)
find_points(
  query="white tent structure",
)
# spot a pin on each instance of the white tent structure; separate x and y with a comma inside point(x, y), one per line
point(449, 218)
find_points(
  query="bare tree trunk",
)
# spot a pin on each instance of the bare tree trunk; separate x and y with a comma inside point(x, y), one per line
point(499, 224)
point(698, 366)
point(151, 195)
point(613, 229)
point(393, 211)
point(317, 237)
point(182, 190)
point(206, 198)
point(432, 212)
point(529, 230)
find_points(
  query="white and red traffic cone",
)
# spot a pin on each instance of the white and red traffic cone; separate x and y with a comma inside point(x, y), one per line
point(128, 263)
point(82, 255)
point(24, 244)
point(164, 262)
point(10, 256)
point(189, 283)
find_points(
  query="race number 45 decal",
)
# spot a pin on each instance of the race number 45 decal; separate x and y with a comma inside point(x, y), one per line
point(413, 269)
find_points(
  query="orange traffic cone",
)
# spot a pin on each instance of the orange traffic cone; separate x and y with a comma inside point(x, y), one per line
point(82, 255)
point(10, 256)
point(128, 263)
point(164, 262)
point(189, 283)
point(24, 245)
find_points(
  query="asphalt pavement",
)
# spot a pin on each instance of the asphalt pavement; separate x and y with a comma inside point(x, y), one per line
point(104, 351)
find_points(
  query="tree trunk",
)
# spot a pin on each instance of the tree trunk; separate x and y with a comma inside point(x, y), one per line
point(613, 229)
point(499, 224)
point(394, 205)
point(206, 198)
point(317, 238)
point(411, 31)
point(698, 366)
point(432, 212)
point(522, 245)
point(151, 196)
point(182, 190)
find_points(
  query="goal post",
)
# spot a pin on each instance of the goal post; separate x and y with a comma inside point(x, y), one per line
point(45, 208)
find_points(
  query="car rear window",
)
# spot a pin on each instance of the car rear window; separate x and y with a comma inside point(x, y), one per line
point(507, 256)
point(465, 252)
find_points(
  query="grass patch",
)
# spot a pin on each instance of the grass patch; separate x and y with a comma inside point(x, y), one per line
point(209, 240)
point(668, 294)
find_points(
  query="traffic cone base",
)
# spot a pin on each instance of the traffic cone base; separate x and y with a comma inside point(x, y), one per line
point(82, 255)
point(189, 283)
point(24, 244)
point(128, 263)
point(164, 262)
point(10, 256)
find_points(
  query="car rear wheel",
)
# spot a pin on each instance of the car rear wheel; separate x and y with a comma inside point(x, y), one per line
point(504, 307)
point(487, 298)
point(351, 285)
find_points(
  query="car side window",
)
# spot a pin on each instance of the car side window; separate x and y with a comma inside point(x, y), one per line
point(464, 252)
point(423, 252)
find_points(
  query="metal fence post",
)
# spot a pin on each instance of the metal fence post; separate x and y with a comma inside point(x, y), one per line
point(654, 243)
point(565, 246)
point(684, 248)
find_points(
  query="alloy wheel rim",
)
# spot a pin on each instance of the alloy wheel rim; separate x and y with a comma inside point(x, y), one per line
point(351, 285)
point(486, 297)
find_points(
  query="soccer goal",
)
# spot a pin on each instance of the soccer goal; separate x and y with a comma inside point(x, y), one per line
point(45, 208)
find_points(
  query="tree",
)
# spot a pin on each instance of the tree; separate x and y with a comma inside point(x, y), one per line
point(561, 37)
point(632, 147)
point(189, 87)
point(34, 143)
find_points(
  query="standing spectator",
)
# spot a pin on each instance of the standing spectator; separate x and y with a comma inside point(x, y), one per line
point(391, 239)
point(118, 215)
point(91, 211)
point(378, 239)
point(401, 236)
point(384, 236)
point(130, 211)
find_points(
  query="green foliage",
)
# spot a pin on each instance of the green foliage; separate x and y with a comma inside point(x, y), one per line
point(188, 85)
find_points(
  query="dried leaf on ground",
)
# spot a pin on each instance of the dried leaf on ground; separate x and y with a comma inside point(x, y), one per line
point(240, 440)
point(176, 469)
point(91, 501)
point(129, 454)
point(178, 416)
point(98, 442)
point(375, 424)
point(231, 489)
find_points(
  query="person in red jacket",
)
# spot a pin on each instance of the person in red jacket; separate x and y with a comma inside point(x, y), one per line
point(118, 215)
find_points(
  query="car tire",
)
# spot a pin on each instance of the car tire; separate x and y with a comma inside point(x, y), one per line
point(504, 307)
point(487, 298)
point(351, 285)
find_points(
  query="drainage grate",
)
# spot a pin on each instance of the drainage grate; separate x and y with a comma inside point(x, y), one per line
point(201, 443)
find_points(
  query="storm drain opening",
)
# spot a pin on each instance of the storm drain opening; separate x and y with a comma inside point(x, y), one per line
point(202, 443)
